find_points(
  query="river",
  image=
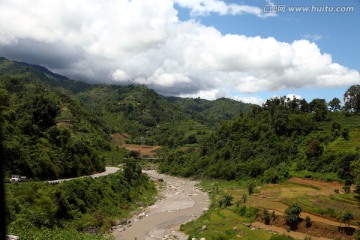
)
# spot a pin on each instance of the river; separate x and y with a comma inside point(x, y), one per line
point(179, 201)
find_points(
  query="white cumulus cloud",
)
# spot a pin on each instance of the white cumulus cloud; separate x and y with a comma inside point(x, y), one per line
point(138, 41)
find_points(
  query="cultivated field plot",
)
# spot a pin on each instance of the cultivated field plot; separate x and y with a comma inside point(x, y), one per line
point(145, 150)
point(317, 198)
point(118, 139)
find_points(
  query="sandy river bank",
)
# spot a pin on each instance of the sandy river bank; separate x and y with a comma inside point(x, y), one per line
point(179, 202)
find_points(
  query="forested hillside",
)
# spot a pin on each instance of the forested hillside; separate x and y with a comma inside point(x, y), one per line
point(282, 136)
point(213, 112)
point(49, 117)
point(134, 109)
point(47, 134)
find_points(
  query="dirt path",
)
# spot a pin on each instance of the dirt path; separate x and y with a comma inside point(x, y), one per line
point(180, 201)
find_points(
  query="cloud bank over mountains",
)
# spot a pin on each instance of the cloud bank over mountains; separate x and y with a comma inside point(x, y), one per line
point(138, 41)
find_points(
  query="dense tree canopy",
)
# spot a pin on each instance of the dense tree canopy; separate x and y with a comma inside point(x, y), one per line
point(46, 134)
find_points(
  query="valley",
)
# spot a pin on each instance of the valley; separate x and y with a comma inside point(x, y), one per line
point(254, 161)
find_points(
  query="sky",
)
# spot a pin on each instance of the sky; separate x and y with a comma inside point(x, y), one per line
point(244, 50)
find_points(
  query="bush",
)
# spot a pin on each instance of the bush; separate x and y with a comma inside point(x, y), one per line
point(347, 218)
point(292, 215)
point(266, 217)
point(226, 201)
point(251, 188)
point(308, 221)
point(346, 189)
point(241, 210)
point(251, 212)
point(244, 198)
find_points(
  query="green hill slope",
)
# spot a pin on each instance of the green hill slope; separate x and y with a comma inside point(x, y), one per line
point(47, 134)
point(272, 140)
point(213, 112)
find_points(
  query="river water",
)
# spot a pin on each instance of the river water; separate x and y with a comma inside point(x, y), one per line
point(179, 202)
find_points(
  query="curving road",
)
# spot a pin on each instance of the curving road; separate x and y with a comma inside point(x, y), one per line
point(108, 170)
point(180, 201)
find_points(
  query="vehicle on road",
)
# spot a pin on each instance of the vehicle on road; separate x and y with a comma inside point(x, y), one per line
point(17, 178)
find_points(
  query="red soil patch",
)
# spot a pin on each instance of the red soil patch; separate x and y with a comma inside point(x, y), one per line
point(118, 139)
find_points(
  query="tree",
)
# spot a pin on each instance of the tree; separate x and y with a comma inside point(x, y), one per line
point(192, 139)
point(226, 201)
point(132, 171)
point(308, 221)
point(352, 99)
point(44, 111)
point(251, 188)
point(319, 108)
point(304, 106)
point(292, 215)
point(266, 217)
point(314, 149)
point(334, 105)
point(345, 134)
point(244, 198)
point(280, 120)
point(347, 218)
point(336, 127)
point(133, 154)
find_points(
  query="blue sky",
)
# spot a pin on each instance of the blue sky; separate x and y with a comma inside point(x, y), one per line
point(335, 33)
point(191, 48)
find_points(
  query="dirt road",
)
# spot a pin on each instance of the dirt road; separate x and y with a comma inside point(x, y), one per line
point(180, 201)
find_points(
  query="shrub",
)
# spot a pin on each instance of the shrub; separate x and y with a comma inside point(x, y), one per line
point(292, 215)
point(251, 188)
point(244, 198)
point(241, 210)
point(251, 212)
point(308, 221)
point(226, 201)
point(266, 217)
point(347, 218)
point(346, 189)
